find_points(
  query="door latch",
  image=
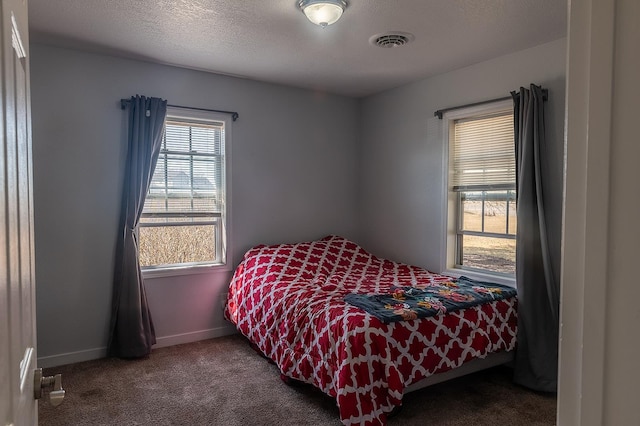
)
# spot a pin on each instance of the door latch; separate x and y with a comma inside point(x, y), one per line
point(53, 384)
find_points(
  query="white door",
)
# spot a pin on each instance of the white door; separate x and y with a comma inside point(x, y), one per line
point(17, 292)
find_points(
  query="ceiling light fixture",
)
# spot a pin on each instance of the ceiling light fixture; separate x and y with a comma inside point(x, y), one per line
point(322, 12)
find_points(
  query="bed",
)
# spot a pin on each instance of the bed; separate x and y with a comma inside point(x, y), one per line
point(294, 304)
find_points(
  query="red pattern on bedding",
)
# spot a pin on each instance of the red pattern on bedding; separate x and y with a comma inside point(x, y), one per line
point(288, 300)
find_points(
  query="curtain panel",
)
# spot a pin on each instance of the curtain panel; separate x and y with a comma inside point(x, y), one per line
point(536, 360)
point(132, 333)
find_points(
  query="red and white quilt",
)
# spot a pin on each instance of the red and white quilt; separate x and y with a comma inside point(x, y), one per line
point(288, 300)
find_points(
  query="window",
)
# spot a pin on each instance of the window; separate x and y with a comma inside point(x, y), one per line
point(183, 222)
point(482, 190)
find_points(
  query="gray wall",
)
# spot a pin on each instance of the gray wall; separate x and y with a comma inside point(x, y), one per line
point(374, 174)
point(293, 178)
point(402, 151)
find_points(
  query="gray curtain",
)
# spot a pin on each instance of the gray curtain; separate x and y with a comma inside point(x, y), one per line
point(536, 361)
point(132, 333)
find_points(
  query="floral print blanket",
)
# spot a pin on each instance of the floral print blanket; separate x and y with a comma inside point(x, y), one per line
point(409, 302)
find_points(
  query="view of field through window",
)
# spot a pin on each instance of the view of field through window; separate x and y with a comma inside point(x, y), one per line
point(487, 252)
point(171, 245)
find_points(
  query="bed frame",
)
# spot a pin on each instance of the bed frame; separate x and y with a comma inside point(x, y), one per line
point(473, 366)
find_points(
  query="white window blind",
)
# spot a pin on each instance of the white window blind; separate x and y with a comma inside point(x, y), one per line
point(484, 153)
point(189, 176)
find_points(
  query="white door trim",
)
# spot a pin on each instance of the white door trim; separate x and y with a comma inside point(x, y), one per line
point(586, 212)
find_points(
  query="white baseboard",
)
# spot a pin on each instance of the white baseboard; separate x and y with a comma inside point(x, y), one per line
point(71, 357)
point(161, 342)
point(194, 336)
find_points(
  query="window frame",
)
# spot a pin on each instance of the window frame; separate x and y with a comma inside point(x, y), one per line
point(223, 243)
point(451, 199)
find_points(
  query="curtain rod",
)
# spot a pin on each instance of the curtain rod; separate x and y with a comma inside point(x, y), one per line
point(440, 112)
point(234, 114)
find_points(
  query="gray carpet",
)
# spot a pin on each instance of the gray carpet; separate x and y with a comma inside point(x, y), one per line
point(224, 382)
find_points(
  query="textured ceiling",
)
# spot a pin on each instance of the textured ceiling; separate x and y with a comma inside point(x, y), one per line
point(271, 40)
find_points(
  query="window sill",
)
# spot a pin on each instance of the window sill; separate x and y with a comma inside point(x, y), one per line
point(184, 270)
point(480, 276)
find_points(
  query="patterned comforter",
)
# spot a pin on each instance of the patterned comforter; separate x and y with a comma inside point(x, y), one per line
point(288, 300)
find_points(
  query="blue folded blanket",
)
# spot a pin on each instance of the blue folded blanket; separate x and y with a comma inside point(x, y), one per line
point(407, 303)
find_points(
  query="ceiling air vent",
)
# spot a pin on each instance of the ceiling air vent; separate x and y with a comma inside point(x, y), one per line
point(395, 39)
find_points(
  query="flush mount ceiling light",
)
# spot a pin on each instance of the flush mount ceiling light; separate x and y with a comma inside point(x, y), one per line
point(322, 12)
